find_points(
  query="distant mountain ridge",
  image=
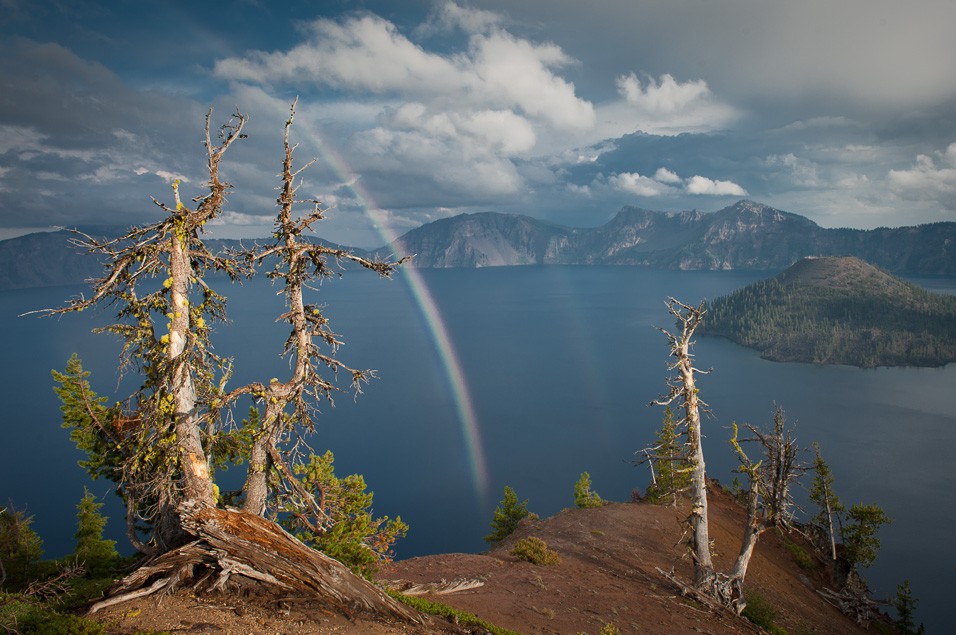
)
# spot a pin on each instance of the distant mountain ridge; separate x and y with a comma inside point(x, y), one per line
point(745, 235)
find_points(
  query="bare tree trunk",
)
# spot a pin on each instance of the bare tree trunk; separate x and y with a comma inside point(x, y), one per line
point(703, 565)
point(197, 482)
point(256, 487)
point(755, 527)
point(826, 496)
point(684, 388)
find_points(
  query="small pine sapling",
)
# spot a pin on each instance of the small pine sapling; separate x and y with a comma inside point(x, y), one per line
point(508, 515)
point(905, 605)
point(584, 496)
point(96, 554)
point(673, 468)
point(20, 549)
point(824, 497)
point(347, 530)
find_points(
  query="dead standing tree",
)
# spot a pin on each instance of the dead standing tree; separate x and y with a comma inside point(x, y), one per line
point(298, 265)
point(775, 476)
point(160, 433)
point(167, 432)
point(779, 469)
point(683, 389)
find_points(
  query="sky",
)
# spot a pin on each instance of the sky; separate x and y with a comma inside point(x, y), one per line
point(412, 111)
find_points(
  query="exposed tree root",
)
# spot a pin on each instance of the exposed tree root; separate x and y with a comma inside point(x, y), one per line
point(853, 602)
point(720, 592)
point(235, 550)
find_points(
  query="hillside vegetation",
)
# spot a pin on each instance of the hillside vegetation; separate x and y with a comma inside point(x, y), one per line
point(838, 310)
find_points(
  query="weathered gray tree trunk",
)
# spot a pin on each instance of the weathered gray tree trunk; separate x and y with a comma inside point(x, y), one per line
point(684, 388)
point(770, 483)
point(197, 482)
point(826, 496)
point(232, 549)
point(703, 564)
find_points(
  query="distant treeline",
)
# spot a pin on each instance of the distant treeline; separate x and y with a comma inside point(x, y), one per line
point(858, 327)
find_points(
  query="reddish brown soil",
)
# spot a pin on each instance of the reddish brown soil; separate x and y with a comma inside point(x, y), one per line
point(607, 574)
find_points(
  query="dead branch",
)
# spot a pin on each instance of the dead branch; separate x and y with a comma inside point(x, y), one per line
point(442, 587)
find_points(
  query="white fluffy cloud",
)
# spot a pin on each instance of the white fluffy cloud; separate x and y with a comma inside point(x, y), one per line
point(664, 96)
point(668, 183)
point(458, 123)
point(930, 178)
point(450, 16)
point(634, 183)
point(801, 172)
point(663, 106)
point(467, 123)
point(369, 54)
point(701, 185)
point(666, 176)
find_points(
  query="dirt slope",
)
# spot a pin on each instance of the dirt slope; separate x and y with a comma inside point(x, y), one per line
point(607, 574)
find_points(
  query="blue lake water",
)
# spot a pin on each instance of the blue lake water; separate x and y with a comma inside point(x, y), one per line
point(560, 363)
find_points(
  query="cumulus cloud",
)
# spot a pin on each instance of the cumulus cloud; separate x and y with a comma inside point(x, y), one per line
point(450, 16)
point(701, 185)
point(664, 96)
point(634, 183)
point(460, 124)
point(663, 106)
point(930, 178)
point(666, 176)
point(668, 183)
point(230, 218)
point(368, 53)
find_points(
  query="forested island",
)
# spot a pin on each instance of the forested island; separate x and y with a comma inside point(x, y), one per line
point(838, 310)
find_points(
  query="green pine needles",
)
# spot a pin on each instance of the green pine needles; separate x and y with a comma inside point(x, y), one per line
point(20, 549)
point(584, 496)
point(97, 555)
point(673, 466)
point(508, 515)
point(350, 533)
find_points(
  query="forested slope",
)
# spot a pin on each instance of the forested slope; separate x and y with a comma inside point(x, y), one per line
point(838, 311)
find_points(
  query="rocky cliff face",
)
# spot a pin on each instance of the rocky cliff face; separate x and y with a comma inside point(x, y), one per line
point(746, 235)
point(485, 240)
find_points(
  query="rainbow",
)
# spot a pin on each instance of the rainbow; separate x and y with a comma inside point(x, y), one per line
point(437, 328)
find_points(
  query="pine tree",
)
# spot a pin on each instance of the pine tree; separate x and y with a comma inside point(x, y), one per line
point(584, 496)
point(826, 500)
point(859, 533)
point(97, 555)
point(905, 605)
point(673, 468)
point(20, 549)
point(164, 426)
point(508, 515)
point(353, 536)
point(92, 425)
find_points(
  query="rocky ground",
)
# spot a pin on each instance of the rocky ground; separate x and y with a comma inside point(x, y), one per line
point(608, 574)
